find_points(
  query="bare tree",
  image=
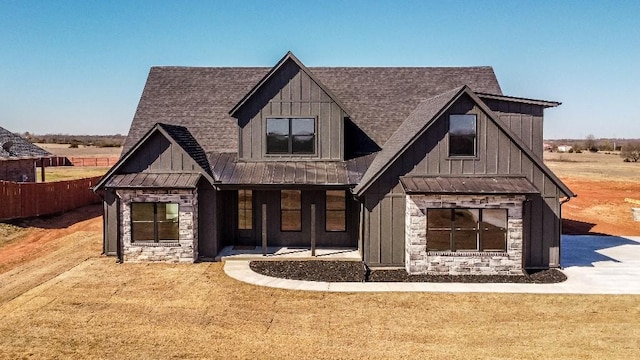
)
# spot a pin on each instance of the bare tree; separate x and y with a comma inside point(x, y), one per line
point(631, 151)
point(590, 143)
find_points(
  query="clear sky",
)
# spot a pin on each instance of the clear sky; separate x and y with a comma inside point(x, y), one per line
point(78, 67)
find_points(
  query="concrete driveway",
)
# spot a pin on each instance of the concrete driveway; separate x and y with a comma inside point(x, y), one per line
point(593, 265)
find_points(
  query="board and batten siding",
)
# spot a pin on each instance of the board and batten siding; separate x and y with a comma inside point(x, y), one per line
point(496, 155)
point(158, 154)
point(525, 120)
point(291, 93)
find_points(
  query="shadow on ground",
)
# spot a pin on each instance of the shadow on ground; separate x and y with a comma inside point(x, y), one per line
point(582, 250)
point(575, 227)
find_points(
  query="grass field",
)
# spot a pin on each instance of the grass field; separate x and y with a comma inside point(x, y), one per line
point(593, 166)
point(60, 299)
point(60, 173)
point(81, 150)
point(69, 302)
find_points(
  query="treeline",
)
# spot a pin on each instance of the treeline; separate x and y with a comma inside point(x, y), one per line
point(629, 149)
point(77, 140)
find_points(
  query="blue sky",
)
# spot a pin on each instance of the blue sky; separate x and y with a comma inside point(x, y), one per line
point(79, 67)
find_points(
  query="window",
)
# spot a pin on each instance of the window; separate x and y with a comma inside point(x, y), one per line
point(245, 210)
point(154, 222)
point(462, 135)
point(290, 210)
point(291, 136)
point(467, 230)
point(336, 210)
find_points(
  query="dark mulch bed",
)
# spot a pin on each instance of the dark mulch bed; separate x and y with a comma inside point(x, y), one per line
point(318, 270)
point(356, 271)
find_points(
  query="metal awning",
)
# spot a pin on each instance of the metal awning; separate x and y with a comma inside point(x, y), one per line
point(154, 180)
point(229, 171)
point(467, 185)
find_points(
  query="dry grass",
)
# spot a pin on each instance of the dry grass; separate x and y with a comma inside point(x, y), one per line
point(63, 306)
point(61, 173)
point(81, 150)
point(595, 166)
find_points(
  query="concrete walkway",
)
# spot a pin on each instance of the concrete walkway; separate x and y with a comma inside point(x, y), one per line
point(593, 265)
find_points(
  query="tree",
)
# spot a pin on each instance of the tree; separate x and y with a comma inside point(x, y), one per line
point(631, 151)
point(590, 143)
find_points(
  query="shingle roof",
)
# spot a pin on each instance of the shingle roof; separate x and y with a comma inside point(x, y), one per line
point(404, 135)
point(183, 137)
point(468, 185)
point(20, 147)
point(379, 99)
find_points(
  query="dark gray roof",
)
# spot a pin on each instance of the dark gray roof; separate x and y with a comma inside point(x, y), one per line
point(183, 137)
point(153, 180)
point(227, 170)
point(20, 148)
point(467, 185)
point(378, 99)
point(410, 129)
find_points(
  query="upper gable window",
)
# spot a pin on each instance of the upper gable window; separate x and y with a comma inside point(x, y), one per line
point(462, 135)
point(291, 136)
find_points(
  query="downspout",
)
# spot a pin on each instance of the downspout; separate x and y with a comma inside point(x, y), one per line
point(562, 202)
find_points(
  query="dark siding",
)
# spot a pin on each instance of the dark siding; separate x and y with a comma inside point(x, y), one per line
point(110, 223)
point(159, 154)
point(275, 237)
point(525, 120)
point(208, 229)
point(291, 92)
point(497, 155)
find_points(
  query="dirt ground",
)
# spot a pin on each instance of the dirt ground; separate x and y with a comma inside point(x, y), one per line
point(70, 302)
point(602, 182)
point(59, 298)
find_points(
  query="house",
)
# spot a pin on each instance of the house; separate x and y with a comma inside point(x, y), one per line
point(19, 157)
point(430, 169)
point(564, 148)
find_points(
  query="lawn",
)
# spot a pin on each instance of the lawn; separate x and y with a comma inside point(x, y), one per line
point(60, 173)
point(72, 303)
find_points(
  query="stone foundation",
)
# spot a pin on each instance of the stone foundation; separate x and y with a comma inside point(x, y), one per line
point(183, 250)
point(419, 261)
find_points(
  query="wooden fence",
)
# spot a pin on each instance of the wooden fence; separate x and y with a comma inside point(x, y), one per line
point(22, 200)
point(77, 161)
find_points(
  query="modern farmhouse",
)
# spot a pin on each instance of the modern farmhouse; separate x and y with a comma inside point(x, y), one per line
point(428, 168)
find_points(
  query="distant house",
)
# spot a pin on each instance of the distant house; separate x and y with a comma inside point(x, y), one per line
point(18, 157)
point(430, 169)
point(564, 148)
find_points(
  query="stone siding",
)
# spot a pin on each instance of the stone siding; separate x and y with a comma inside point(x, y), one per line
point(18, 170)
point(419, 261)
point(183, 250)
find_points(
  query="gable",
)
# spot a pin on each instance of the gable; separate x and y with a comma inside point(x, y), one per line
point(499, 151)
point(164, 149)
point(290, 91)
point(377, 99)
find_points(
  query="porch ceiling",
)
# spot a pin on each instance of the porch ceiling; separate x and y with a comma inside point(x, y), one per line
point(467, 185)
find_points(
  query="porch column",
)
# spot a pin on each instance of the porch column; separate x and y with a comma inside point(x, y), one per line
point(313, 229)
point(264, 229)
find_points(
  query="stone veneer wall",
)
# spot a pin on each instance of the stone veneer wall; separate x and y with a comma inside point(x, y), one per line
point(419, 261)
point(184, 250)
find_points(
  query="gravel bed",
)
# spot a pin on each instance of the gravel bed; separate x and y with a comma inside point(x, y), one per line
point(356, 271)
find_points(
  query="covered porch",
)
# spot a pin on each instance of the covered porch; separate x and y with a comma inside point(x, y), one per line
point(287, 253)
